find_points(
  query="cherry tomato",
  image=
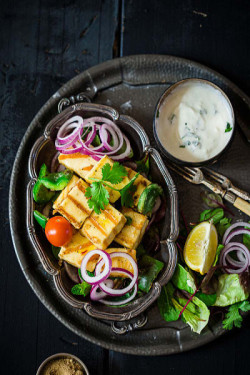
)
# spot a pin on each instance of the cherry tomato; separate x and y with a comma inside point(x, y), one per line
point(58, 231)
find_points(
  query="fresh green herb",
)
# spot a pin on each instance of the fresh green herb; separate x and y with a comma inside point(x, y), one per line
point(82, 289)
point(228, 128)
point(114, 174)
point(143, 165)
point(222, 226)
point(215, 215)
point(99, 196)
point(182, 146)
point(140, 251)
point(233, 317)
point(127, 192)
point(129, 220)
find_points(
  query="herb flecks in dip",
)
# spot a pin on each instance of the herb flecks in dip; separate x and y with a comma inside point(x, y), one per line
point(195, 122)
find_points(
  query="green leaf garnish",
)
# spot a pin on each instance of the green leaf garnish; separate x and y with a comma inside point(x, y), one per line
point(98, 194)
point(127, 192)
point(182, 146)
point(233, 317)
point(228, 128)
point(115, 174)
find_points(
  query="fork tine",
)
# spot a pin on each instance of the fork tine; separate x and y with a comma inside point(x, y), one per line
point(216, 176)
point(180, 171)
point(191, 171)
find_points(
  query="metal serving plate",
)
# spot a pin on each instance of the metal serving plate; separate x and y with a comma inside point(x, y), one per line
point(44, 151)
point(132, 85)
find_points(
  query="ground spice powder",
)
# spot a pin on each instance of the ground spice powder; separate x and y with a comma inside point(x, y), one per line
point(63, 366)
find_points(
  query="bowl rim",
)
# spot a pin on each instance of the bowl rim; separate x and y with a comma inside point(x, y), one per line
point(61, 355)
point(167, 244)
point(159, 103)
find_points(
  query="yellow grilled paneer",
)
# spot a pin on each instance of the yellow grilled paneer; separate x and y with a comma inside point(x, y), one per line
point(65, 192)
point(76, 249)
point(79, 163)
point(96, 172)
point(132, 233)
point(74, 207)
point(102, 228)
point(121, 262)
point(141, 183)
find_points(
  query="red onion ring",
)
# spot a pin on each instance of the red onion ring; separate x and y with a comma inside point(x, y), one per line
point(102, 276)
point(238, 266)
point(96, 293)
point(243, 224)
point(120, 292)
point(123, 302)
point(70, 143)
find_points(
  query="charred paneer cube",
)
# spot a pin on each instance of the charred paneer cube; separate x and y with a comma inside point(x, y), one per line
point(134, 229)
point(96, 172)
point(75, 250)
point(74, 205)
point(79, 163)
point(102, 228)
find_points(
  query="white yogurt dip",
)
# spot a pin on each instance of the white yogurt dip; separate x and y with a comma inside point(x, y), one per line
point(195, 122)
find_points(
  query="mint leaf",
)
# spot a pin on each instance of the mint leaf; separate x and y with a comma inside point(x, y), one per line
point(127, 193)
point(228, 128)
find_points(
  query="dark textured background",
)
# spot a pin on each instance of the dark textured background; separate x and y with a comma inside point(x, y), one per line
point(42, 45)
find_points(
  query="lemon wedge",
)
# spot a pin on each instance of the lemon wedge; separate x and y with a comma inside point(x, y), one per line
point(200, 247)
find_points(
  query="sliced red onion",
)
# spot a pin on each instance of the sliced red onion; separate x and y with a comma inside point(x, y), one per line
point(119, 270)
point(75, 123)
point(103, 275)
point(235, 225)
point(231, 265)
point(157, 205)
point(96, 293)
point(236, 233)
point(70, 139)
point(123, 302)
point(120, 292)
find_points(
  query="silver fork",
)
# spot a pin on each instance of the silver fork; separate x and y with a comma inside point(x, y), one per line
point(227, 184)
point(196, 176)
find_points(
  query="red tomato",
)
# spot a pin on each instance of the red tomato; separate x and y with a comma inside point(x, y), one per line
point(58, 231)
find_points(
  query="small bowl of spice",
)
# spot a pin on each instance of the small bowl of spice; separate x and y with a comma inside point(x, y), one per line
point(62, 364)
point(194, 122)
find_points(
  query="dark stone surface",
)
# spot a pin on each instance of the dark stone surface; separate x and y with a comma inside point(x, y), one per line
point(43, 44)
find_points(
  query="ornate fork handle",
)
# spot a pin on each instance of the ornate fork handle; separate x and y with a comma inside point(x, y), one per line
point(241, 193)
point(216, 188)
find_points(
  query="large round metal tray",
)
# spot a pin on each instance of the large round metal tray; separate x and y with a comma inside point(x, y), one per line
point(132, 85)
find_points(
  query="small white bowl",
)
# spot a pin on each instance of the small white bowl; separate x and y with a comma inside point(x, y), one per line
point(60, 356)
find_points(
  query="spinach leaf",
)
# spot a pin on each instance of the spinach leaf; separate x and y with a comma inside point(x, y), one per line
point(150, 269)
point(215, 215)
point(208, 299)
point(183, 279)
point(165, 304)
